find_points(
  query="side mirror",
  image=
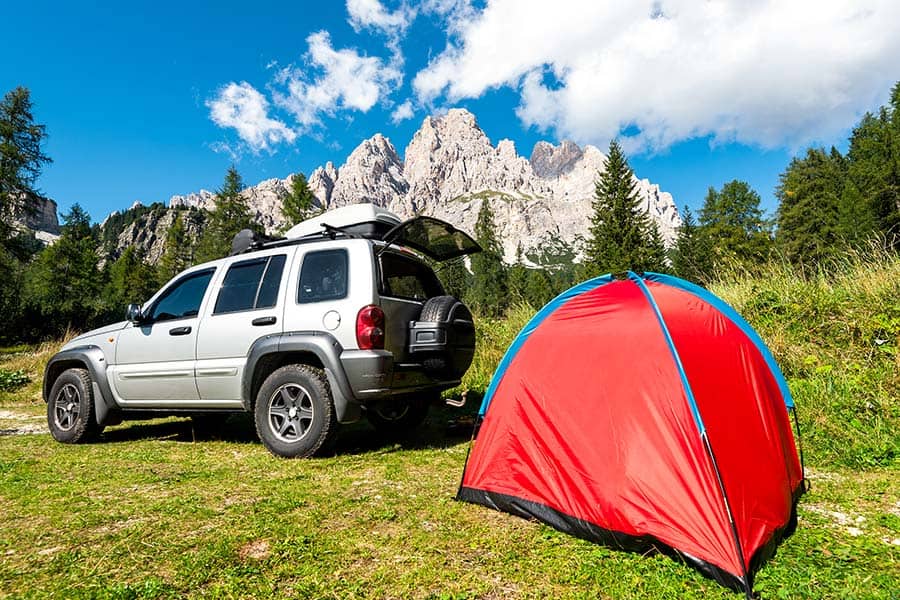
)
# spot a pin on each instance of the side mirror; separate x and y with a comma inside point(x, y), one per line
point(133, 313)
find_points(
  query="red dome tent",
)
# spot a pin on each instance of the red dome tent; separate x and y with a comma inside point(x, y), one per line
point(643, 413)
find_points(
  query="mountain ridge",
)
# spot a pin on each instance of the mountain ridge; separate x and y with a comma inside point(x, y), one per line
point(448, 169)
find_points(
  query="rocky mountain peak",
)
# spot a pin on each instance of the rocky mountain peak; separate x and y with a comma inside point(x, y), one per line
point(549, 161)
point(449, 169)
point(373, 173)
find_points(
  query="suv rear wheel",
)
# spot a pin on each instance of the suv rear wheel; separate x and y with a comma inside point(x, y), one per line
point(397, 416)
point(70, 408)
point(294, 412)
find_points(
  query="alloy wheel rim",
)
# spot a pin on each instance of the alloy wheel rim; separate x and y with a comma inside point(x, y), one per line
point(291, 413)
point(67, 407)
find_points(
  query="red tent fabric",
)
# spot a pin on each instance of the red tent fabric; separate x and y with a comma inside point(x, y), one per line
point(643, 412)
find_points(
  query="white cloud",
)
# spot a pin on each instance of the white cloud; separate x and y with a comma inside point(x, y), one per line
point(772, 73)
point(242, 107)
point(403, 112)
point(348, 80)
point(372, 14)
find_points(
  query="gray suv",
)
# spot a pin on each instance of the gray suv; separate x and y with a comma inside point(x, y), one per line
point(343, 317)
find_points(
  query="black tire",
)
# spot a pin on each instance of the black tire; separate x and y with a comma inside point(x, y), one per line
point(294, 412)
point(446, 309)
point(397, 416)
point(70, 408)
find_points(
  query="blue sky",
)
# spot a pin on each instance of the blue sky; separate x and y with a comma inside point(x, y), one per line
point(142, 101)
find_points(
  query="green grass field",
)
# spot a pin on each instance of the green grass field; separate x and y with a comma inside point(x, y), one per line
point(152, 511)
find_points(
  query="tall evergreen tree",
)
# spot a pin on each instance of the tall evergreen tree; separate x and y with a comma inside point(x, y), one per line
point(622, 237)
point(455, 278)
point(21, 156)
point(62, 285)
point(299, 204)
point(129, 280)
point(229, 216)
point(692, 254)
point(809, 216)
point(538, 288)
point(517, 278)
point(177, 255)
point(733, 219)
point(874, 173)
point(488, 294)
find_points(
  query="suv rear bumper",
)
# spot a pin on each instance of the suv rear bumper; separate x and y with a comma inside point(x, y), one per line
point(373, 374)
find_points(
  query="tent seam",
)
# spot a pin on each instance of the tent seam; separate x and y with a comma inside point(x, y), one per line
point(698, 421)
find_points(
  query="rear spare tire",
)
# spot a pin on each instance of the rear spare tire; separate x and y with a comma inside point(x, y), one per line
point(454, 359)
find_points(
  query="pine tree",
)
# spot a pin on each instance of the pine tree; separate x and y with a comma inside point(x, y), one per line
point(21, 156)
point(130, 280)
point(62, 285)
point(538, 288)
point(455, 278)
point(299, 204)
point(733, 219)
point(874, 174)
point(517, 278)
point(177, 255)
point(622, 237)
point(229, 216)
point(488, 294)
point(809, 214)
point(692, 254)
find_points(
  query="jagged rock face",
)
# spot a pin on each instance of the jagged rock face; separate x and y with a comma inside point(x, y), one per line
point(148, 233)
point(450, 167)
point(373, 173)
point(549, 161)
point(42, 219)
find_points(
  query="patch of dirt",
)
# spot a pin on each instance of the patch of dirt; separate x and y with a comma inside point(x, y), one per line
point(852, 524)
point(14, 423)
point(257, 550)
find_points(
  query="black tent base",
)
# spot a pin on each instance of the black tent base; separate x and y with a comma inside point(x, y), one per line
point(640, 544)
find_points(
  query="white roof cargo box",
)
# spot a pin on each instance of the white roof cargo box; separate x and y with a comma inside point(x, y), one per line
point(354, 214)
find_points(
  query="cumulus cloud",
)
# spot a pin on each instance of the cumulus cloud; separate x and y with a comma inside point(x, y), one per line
point(403, 112)
point(242, 107)
point(365, 14)
point(770, 73)
point(347, 80)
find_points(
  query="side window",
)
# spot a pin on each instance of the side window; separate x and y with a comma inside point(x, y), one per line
point(250, 284)
point(402, 277)
point(323, 276)
point(183, 299)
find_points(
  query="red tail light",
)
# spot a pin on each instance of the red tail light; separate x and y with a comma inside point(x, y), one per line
point(370, 328)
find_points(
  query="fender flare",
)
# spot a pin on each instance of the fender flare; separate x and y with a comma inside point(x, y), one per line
point(324, 347)
point(91, 358)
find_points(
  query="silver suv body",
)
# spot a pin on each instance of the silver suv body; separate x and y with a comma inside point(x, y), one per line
point(331, 311)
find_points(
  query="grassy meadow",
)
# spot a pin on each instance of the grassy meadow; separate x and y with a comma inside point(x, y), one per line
point(154, 510)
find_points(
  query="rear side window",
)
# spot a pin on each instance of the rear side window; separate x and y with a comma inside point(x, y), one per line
point(323, 276)
point(403, 277)
point(250, 284)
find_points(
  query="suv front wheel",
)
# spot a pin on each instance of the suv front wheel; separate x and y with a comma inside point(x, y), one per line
point(70, 408)
point(294, 412)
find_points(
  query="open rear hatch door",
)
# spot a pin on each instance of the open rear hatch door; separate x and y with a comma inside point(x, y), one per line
point(436, 239)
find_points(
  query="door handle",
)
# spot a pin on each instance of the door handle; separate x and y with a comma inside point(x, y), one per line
point(263, 321)
point(180, 330)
